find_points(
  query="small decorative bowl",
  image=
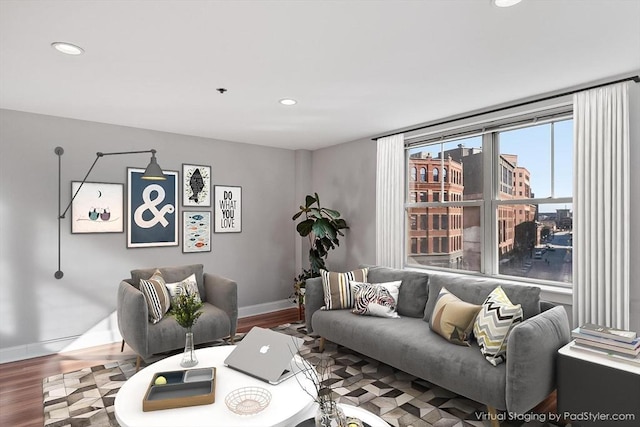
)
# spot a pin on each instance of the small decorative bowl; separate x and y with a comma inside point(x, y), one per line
point(248, 400)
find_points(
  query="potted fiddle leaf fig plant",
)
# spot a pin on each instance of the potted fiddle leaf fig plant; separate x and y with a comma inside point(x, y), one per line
point(322, 226)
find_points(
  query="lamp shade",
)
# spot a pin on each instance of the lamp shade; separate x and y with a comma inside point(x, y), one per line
point(154, 171)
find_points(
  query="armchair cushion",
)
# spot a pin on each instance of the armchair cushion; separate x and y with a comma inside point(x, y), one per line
point(173, 274)
point(157, 296)
point(189, 284)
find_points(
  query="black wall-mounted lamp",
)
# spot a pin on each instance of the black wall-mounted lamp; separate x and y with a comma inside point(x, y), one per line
point(153, 172)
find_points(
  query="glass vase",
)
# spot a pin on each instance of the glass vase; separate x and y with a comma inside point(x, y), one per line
point(189, 358)
point(329, 414)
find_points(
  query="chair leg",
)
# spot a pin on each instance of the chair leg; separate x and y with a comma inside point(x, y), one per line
point(138, 359)
point(493, 416)
point(122, 347)
point(322, 341)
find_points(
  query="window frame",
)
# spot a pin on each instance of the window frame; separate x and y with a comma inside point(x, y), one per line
point(490, 203)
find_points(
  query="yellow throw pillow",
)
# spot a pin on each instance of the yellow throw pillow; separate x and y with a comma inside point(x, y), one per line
point(453, 318)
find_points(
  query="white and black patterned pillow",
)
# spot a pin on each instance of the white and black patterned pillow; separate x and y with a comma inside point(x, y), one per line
point(157, 297)
point(189, 285)
point(376, 299)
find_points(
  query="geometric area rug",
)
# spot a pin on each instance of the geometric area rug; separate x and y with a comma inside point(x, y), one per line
point(85, 398)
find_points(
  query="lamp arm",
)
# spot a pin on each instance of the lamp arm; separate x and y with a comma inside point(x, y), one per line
point(59, 152)
point(98, 155)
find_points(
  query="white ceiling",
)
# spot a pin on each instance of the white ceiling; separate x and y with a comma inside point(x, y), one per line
point(357, 68)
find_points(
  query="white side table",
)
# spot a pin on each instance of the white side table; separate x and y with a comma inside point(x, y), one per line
point(595, 389)
point(289, 403)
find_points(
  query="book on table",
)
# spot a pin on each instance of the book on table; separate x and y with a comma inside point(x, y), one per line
point(605, 332)
point(608, 347)
point(633, 345)
point(605, 354)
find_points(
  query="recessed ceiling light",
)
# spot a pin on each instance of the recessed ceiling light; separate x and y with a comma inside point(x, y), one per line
point(506, 3)
point(68, 48)
point(288, 101)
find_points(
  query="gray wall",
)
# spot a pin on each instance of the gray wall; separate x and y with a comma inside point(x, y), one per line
point(37, 310)
point(344, 176)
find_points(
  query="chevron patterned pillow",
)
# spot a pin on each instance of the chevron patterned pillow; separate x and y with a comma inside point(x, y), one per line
point(493, 324)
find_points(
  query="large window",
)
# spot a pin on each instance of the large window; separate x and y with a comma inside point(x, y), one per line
point(506, 204)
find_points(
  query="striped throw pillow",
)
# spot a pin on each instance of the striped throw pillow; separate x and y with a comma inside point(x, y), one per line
point(157, 296)
point(493, 324)
point(337, 288)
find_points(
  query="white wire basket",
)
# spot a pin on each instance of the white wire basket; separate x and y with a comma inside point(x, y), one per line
point(248, 400)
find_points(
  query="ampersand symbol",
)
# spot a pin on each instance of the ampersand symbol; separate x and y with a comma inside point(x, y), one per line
point(150, 205)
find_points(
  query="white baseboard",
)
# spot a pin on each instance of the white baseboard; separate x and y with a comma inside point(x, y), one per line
point(106, 332)
point(267, 307)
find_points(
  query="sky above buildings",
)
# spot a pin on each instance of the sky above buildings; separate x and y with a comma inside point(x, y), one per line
point(533, 146)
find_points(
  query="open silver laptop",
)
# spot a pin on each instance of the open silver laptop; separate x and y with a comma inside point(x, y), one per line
point(266, 355)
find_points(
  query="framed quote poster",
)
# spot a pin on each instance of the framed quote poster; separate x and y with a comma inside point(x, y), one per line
point(227, 209)
point(152, 209)
point(97, 208)
point(196, 231)
point(196, 185)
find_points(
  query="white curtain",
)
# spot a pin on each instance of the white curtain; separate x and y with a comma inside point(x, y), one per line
point(601, 207)
point(390, 201)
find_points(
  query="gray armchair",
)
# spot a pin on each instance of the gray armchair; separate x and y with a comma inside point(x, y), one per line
point(218, 320)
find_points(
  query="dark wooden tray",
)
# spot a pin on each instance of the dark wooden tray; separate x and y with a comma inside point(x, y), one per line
point(190, 387)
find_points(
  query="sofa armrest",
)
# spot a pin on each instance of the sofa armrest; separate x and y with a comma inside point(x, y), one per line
point(531, 358)
point(133, 317)
point(223, 293)
point(313, 300)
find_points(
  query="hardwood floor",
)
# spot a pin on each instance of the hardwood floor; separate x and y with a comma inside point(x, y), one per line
point(21, 381)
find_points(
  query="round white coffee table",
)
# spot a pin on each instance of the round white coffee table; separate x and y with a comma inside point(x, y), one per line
point(289, 402)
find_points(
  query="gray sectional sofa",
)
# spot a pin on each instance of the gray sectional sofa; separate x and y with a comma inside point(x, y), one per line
point(524, 380)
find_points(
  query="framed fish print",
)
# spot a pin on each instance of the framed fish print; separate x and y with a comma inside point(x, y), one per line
point(196, 231)
point(196, 185)
point(227, 209)
point(97, 208)
point(152, 210)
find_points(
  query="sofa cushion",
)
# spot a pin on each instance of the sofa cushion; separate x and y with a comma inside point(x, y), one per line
point(157, 296)
point(376, 299)
point(173, 274)
point(475, 290)
point(189, 285)
point(413, 292)
point(337, 287)
point(493, 325)
point(453, 318)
